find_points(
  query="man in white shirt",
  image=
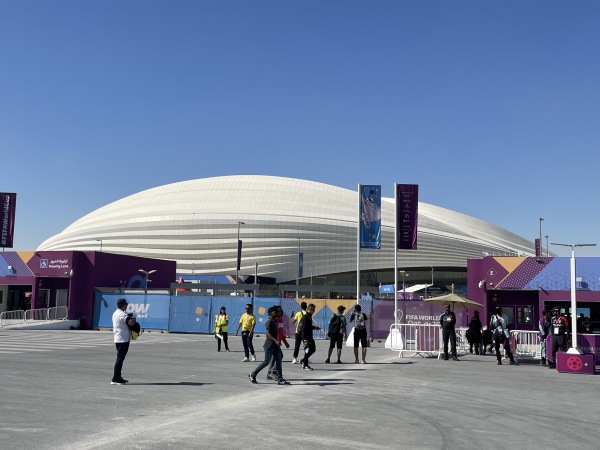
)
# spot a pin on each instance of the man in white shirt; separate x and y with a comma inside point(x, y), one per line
point(122, 336)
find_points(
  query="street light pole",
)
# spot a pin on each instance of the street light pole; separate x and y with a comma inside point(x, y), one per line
point(574, 349)
point(541, 252)
point(147, 273)
point(298, 272)
point(238, 256)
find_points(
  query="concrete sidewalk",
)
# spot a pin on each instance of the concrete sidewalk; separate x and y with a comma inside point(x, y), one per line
point(183, 394)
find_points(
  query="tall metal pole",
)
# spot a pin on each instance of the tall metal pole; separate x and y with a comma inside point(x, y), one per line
point(574, 348)
point(541, 251)
point(238, 257)
point(298, 272)
point(547, 247)
point(396, 253)
point(358, 246)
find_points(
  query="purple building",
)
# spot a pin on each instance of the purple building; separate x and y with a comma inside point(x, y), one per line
point(525, 286)
point(48, 279)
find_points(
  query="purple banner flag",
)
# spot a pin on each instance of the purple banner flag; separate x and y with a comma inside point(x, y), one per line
point(407, 215)
point(8, 203)
point(538, 248)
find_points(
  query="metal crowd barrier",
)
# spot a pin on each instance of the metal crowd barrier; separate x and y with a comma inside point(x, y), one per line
point(525, 344)
point(416, 339)
point(21, 317)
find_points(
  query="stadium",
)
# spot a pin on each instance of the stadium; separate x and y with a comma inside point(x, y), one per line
point(197, 223)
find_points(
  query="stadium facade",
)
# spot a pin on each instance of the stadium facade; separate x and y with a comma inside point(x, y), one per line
point(197, 223)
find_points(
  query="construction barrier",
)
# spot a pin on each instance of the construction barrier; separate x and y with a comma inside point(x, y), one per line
point(525, 344)
point(415, 339)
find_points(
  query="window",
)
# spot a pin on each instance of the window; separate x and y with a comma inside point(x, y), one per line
point(524, 314)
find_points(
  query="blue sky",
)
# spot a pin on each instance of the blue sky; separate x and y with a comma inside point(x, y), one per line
point(491, 107)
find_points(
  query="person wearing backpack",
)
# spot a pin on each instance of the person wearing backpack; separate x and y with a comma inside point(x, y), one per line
point(360, 333)
point(337, 332)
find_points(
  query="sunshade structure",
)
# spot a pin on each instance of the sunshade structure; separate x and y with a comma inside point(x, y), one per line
point(454, 300)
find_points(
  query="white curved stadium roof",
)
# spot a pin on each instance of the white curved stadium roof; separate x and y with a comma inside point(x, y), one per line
point(196, 224)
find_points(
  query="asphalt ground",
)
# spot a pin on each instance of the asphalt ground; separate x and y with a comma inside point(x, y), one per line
point(183, 394)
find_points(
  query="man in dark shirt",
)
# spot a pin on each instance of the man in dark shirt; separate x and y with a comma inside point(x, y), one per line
point(307, 328)
point(558, 327)
point(272, 347)
point(447, 322)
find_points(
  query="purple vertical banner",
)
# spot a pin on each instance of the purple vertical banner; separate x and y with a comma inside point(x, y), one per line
point(370, 217)
point(8, 205)
point(300, 264)
point(538, 248)
point(239, 255)
point(407, 215)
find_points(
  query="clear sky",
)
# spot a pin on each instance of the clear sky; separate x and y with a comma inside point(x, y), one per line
point(491, 107)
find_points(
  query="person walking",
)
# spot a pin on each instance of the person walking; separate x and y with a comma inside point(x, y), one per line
point(544, 331)
point(360, 333)
point(499, 325)
point(559, 326)
point(272, 347)
point(476, 330)
point(271, 372)
point(307, 327)
point(448, 322)
point(121, 322)
point(247, 324)
point(221, 323)
point(297, 338)
point(337, 333)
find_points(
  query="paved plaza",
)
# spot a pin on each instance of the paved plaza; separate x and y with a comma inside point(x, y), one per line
point(56, 394)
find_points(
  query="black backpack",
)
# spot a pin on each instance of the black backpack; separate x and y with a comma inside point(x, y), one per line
point(335, 324)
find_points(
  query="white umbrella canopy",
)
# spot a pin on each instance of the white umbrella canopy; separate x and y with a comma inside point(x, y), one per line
point(454, 299)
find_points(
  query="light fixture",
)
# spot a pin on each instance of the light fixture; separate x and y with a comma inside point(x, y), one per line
point(148, 280)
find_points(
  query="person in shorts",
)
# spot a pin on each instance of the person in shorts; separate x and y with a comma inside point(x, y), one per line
point(360, 333)
point(337, 338)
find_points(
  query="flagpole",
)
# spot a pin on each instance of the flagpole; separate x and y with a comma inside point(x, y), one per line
point(396, 253)
point(358, 248)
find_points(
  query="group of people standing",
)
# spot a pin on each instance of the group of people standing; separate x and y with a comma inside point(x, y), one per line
point(305, 326)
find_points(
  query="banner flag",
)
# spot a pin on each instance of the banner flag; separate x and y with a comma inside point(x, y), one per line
point(370, 217)
point(8, 205)
point(407, 216)
point(239, 255)
point(300, 264)
point(538, 248)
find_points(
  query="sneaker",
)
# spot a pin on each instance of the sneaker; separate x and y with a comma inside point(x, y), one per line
point(363, 362)
point(307, 368)
point(327, 361)
point(295, 361)
point(119, 382)
point(253, 358)
point(499, 362)
point(339, 362)
point(356, 361)
point(252, 379)
point(227, 350)
point(282, 382)
point(512, 363)
point(245, 360)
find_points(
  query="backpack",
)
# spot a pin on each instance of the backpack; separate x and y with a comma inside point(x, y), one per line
point(335, 324)
point(359, 321)
point(135, 329)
